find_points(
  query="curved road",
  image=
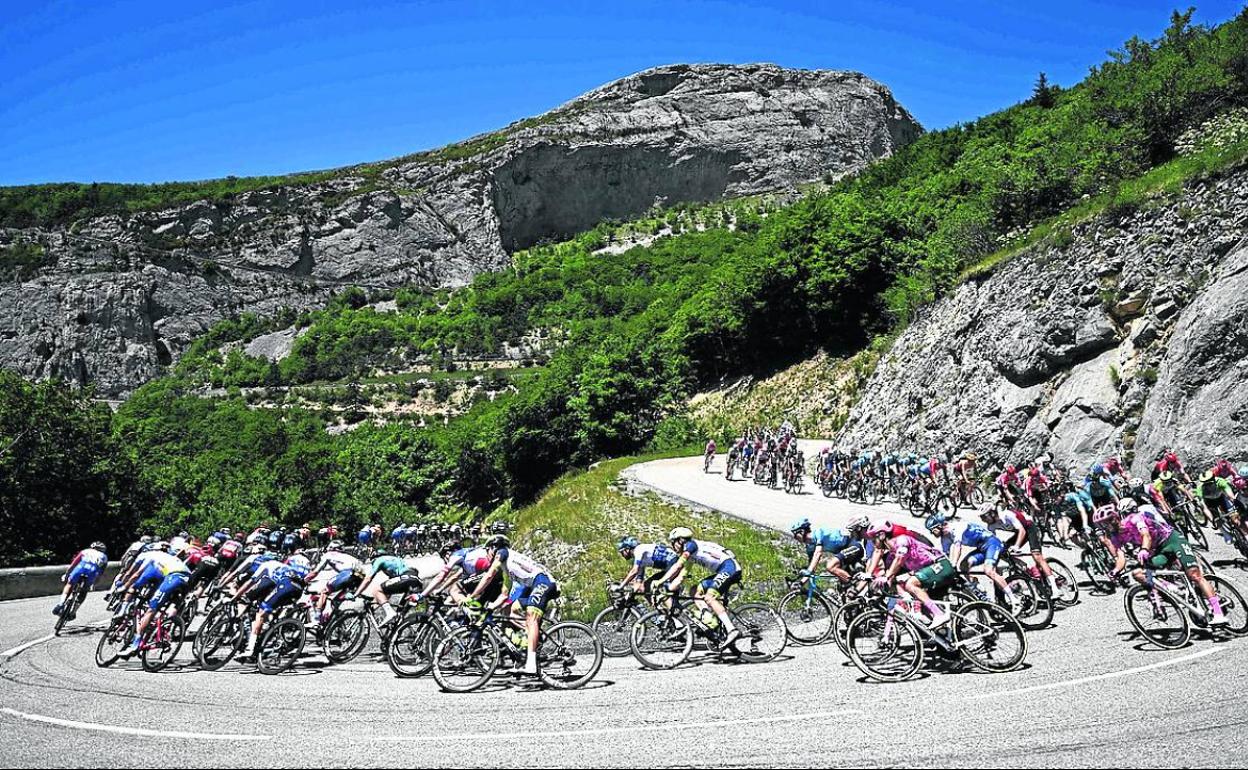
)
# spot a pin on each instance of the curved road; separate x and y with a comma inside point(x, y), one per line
point(1089, 696)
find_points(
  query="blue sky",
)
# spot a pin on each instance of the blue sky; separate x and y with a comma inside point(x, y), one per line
point(153, 91)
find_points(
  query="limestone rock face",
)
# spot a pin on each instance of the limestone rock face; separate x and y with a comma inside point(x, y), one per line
point(1132, 338)
point(124, 295)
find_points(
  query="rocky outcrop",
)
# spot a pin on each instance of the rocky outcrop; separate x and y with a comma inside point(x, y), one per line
point(1130, 338)
point(121, 296)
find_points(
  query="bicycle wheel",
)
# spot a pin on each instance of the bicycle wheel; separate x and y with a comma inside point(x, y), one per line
point(346, 635)
point(845, 615)
point(613, 626)
point(161, 642)
point(808, 618)
point(112, 642)
point(220, 639)
point(1198, 513)
point(763, 633)
point(63, 616)
point(885, 647)
point(280, 646)
point(1158, 617)
point(465, 659)
point(1067, 594)
point(988, 637)
point(661, 640)
point(411, 646)
point(1034, 610)
point(1097, 565)
point(568, 655)
point(1233, 604)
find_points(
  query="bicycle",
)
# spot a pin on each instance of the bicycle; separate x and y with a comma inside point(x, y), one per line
point(889, 642)
point(415, 637)
point(807, 610)
point(568, 654)
point(1168, 604)
point(72, 602)
point(614, 624)
point(663, 638)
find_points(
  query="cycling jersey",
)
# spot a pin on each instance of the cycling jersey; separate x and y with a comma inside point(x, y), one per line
point(471, 561)
point(831, 541)
point(229, 549)
point(1131, 531)
point(522, 568)
point(707, 554)
point(1101, 490)
point(1077, 498)
point(87, 565)
point(365, 536)
point(1214, 489)
point(391, 565)
point(912, 554)
point(652, 556)
point(1035, 482)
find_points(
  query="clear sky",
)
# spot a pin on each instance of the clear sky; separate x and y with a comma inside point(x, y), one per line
point(154, 90)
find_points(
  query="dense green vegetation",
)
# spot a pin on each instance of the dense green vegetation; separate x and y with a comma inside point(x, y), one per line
point(638, 331)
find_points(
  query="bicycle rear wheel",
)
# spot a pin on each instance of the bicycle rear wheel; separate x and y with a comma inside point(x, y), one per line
point(220, 638)
point(661, 640)
point(1067, 594)
point(112, 642)
point(1158, 617)
point(883, 647)
point(845, 615)
point(465, 659)
point(161, 643)
point(614, 626)
point(280, 646)
point(345, 636)
point(568, 655)
point(808, 618)
point(763, 633)
point(988, 637)
point(411, 646)
point(1034, 610)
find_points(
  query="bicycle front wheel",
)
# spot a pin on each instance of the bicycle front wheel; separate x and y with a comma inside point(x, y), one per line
point(280, 646)
point(763, 633)
point(219, 639)
point(661, 640)
point(465, 659)
point(411, 647)
point(885, 647)
point(1067, 593)
point(112, 642)
point(345, 636)
point(988, 637)
point(808, 618)
point(569, 655)
point(614, 626)
point(1233, 604)
point(161, 643)
point(1158, 617)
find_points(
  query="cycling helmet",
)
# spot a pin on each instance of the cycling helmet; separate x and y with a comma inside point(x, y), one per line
point(1104, 516)
point(97, 545)
point(255, 548)
point(1166, 476)
point(299, 560)
point(334, 545)
point(447, 549)
point(162, 545)
point(858, 524)
point(498, 541)
point(935, 521)
point(1126, 506)
point(1242, 471)
point(800, 525)
point(988, 512)
point(1206, 476)
point(680, 533)
point(213, 541)
point(1098, 470)
point(626, 543)
point(877, 528)
point(1009, 468)
point(972, 456)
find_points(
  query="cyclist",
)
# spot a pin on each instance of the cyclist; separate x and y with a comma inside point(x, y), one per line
point(708, 456)
point(533, 589)
point(1078, 509)
point(1007, 485)
point(643, 557)
point(462, 574)
point(1020, 532)
point(840, 548)
point(970, 544)
point(1158, 545)
point(336, 571)
point(87, 567)
point(1218, 496)
point(387, 578)
point(722, 564)
point(927, 569)
point(170, 574)
point(1168, 462)
point(1035, 483)
point(287, 580)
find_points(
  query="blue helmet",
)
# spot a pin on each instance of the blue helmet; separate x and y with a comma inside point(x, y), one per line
point(626, 543)
point(799, 525)
point(935, 520)
point(1098, 470)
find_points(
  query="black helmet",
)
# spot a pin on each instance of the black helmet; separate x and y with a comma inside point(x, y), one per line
point(498, 541)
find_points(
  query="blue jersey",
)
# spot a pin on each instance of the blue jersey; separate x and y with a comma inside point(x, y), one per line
point(1099, 490)
point(365, 537)
point(1077, 498)
point(391, 565)
point(830, 540)
point(653, 556)
point(976, 535)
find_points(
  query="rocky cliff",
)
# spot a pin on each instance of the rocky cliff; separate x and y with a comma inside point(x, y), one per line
point(1130, 336)
point(116, 298)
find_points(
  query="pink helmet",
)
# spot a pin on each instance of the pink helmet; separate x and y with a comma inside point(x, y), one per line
point(878, 528)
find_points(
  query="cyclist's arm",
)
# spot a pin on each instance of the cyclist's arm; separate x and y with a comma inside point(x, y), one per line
point(633, 573)
point(814, 558)
point(676, 569)
point(487, 579)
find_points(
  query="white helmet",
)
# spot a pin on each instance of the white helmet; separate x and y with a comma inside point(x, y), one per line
point(680, 533)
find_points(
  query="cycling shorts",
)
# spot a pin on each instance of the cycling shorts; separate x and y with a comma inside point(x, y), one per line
point(283, 593)
point(152, 575)
point(84, 572)
point(727, 576)
point(536, 596)
point(261, 589)
point(346, 580)
point(204, 572)
point(848, 556)
point(402, 584)
point(938, 574)
point(1174, 549)
point(171, 588)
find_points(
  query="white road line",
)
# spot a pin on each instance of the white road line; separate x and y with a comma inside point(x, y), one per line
point(131, 730)
point(615, 730)
point(1099, 677)
point(19, 648)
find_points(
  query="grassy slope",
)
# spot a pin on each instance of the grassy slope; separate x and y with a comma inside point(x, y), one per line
point(574, 525)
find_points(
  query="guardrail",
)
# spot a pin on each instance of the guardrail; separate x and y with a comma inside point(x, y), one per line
point(25, 582)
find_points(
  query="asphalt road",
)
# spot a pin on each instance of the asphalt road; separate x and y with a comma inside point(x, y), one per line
point(1088, 696)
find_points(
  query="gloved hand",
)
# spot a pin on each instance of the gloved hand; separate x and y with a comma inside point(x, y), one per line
point(880, 582)
point(1143, 556)
point(804, 573)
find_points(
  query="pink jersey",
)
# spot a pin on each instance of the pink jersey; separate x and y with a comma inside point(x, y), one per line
point(914, 555)
point(1134, 525)
point(1035, 482)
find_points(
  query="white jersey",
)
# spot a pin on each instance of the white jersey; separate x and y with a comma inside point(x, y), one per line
point(652, 555)
point(266, 570)
point(708, 554)
point(168, 563)
point(522, 568)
